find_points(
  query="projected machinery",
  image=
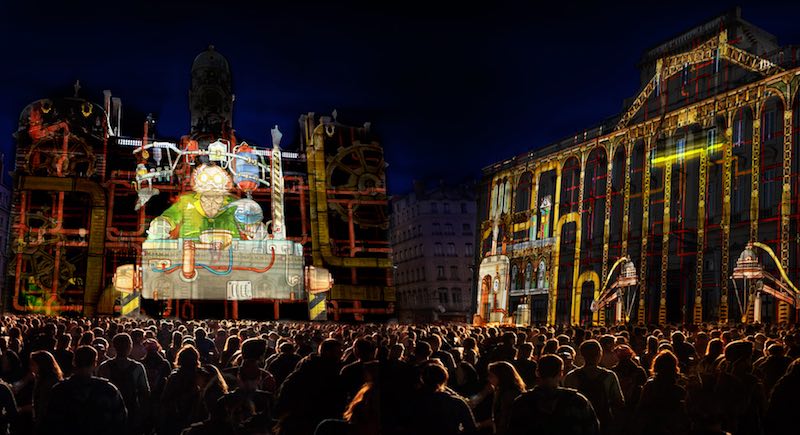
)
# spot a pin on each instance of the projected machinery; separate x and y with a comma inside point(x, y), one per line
point(202, 225)
point(210, 244)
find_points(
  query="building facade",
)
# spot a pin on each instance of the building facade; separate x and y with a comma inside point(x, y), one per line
point(77, 216)
point(433, 235)
point(5, 217)
point(702, 163)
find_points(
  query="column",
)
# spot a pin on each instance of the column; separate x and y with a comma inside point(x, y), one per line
point(626, 198)
point(726, 219)
point(662, 298)
point(697, 317)
point(645, 223)
point(576, 270)
point(600, 316)
point(551, 308)
point(755, 182)
point(786, 200)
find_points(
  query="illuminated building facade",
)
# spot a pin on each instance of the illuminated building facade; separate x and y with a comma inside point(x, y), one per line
point(702, 161)
point(433, 236)
point(78, 212)
point(5, 215)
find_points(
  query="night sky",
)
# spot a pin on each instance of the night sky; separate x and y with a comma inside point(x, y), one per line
point(448, 89)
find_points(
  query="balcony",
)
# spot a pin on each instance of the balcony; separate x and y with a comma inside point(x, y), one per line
point(532, 244)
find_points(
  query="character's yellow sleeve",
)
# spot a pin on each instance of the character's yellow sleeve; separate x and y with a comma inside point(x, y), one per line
point(174, 214)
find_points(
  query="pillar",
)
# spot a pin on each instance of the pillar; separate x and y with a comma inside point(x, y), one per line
point(697, 316)
point(576, 269)
point(726, 218)
point(645, 224)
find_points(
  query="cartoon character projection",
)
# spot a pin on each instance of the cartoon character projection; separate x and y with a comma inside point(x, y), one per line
point(209, 207)
point(544, 213)
point(212, 245)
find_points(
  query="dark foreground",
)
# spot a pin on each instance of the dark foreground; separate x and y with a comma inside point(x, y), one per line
point(126, 376)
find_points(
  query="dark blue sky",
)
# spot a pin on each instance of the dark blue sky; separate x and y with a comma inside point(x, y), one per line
point(450, 89)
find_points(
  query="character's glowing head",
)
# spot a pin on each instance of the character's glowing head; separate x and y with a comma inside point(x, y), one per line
point(211, 179)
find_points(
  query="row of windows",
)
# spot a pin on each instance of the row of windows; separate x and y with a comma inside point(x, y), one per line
point(409, 253)
point(418, 274)
point(440, 275)
point(434, 207)
point(439, 250)
point(413, 275)
point(438, 229)
point(405, 212)
point(420, 296)
point(466, 229)
point(411, 232)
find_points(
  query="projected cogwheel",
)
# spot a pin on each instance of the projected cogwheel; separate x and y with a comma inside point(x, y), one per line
point(359, 169)
point(47, 157)
point(40, 265)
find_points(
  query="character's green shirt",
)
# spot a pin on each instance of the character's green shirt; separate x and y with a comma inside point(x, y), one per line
point(188, 215)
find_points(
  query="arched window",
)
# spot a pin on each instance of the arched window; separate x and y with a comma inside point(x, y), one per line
point(514, 271)
point(522, 196)
point(528, 273)
point(541, 276)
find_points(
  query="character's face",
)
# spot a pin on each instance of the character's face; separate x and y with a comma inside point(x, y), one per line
point(211, 180)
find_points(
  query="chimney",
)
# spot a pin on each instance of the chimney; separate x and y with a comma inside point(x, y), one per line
point(116, 114)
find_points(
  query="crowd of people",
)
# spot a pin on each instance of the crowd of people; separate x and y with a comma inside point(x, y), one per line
point(168, 377)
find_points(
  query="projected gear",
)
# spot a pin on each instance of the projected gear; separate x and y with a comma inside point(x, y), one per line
point(39, 264)
point(47, 157)
point(359, 168)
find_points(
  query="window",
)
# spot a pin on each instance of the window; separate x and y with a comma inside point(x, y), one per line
point(451, 249)
point(514, 273)
point(437, 228)
point(437, 250)
point(738, 132)
point(769, 125)
point(464, 207)
point(446, 208)
point(711, 137)
point(529, 276)
point(466, 229)
point(440, 272)
point(685, 74)
point(434, 207)
point(443, 295)
point(680, 148)
point(468, 251)
point(456, 295)
point(454, 272)
point(448, 229)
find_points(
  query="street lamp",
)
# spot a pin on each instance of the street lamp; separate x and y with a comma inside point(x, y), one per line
point(624, 299)
point(756, 281)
